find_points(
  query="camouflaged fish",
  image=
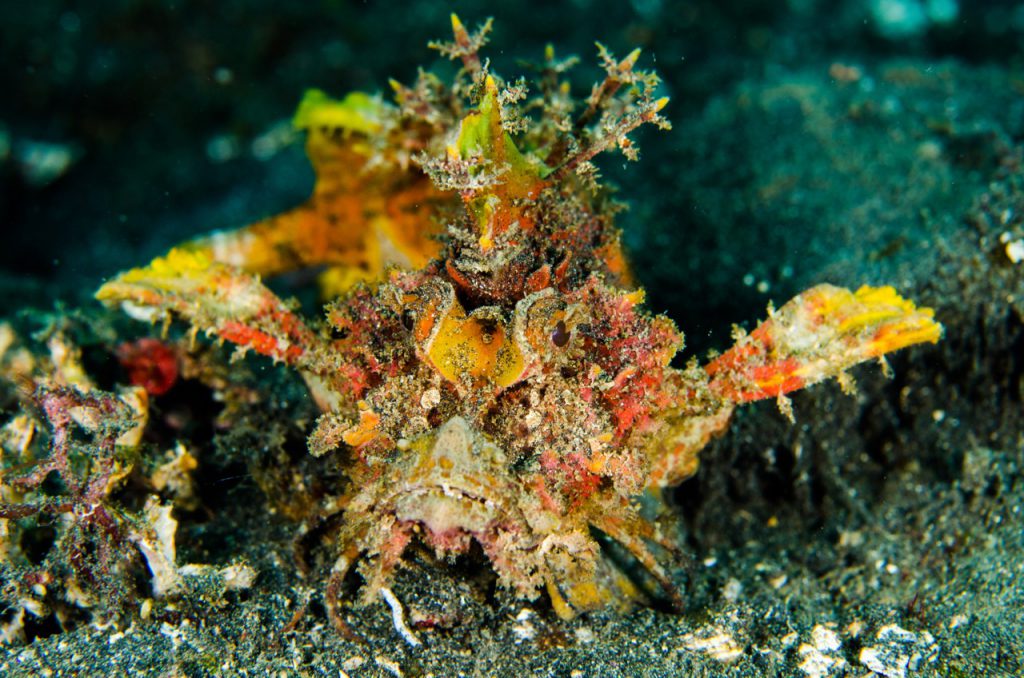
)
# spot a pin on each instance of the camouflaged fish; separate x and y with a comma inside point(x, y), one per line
point(487, 370)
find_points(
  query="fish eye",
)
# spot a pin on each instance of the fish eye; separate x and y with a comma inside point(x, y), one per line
point(560, 335)
point(408, 319)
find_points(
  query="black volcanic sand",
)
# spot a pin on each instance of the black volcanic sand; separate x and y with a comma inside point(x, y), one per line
point(881, 532)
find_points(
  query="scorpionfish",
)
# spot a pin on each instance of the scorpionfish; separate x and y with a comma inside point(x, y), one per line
point(487, 370)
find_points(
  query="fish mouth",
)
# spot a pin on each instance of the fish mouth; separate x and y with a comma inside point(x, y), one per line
point(450, 491)
point(443, 508)
point(453, 481)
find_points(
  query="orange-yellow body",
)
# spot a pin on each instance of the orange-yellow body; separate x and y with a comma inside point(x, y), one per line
point(364, 214)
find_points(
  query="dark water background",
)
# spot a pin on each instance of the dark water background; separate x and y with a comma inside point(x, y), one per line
point(159, 102)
